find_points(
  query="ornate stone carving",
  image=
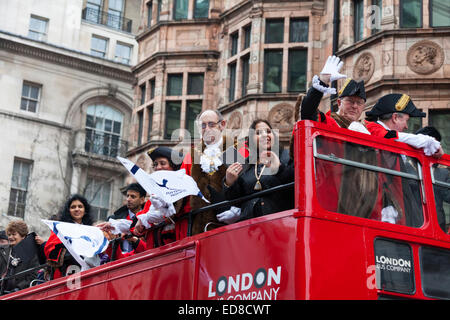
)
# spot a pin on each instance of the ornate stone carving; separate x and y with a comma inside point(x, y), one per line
point(235, 121)
point(386, 58)
point(256, 12)
point(112, 89)
point(281, 117)
point(364, 67)
point(425, 57)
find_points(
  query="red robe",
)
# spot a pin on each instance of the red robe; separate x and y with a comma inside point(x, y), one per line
point(166, 236)
point(53, 250)
point(395, 185)
point(141, 247)
point(378, 130)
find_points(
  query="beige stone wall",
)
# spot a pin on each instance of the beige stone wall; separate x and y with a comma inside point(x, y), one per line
point(53, 137)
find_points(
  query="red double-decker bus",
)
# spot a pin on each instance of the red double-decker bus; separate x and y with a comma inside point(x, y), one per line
point(370, 221)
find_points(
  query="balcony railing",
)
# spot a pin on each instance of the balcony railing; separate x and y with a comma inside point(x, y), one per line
point(108, 19)
point(105, 144)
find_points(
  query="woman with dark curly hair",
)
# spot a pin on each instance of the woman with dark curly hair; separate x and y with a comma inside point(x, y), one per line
point(75, 210)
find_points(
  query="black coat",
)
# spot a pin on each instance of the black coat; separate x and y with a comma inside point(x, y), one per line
point(26, 254)
point(120, 213)
point(270, 203)
point(310, 104)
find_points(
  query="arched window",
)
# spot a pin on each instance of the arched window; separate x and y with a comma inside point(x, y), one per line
point(103, 130)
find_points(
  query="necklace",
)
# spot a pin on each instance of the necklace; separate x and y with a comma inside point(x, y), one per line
point(258, 184)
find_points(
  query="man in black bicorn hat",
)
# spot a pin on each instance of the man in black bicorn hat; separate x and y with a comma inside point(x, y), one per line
point(389, 118)
point(351, 98)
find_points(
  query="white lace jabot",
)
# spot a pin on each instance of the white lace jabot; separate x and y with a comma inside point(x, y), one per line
point(210, 159)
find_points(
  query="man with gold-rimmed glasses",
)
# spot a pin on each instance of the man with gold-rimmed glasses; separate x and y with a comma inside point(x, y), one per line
point(207, 166)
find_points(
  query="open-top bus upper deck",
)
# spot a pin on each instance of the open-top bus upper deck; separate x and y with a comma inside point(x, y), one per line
point(339, 242)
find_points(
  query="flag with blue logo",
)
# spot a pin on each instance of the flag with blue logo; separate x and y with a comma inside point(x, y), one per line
point(83, 242)
point(168, 185)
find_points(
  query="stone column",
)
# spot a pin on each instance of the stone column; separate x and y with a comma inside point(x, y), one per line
point(255, 81)
point(158, 114)
point(388, 15)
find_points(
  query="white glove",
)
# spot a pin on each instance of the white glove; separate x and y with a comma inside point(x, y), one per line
point(432, 147)
point(120, 226)
point(389, 214)
point(332, 67)
point(420, 141)
point(152, 216)
point(229, 216)
point(325, 90)
point(167, 209)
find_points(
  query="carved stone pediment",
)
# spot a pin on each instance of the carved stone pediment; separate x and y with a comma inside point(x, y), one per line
point(425, 57)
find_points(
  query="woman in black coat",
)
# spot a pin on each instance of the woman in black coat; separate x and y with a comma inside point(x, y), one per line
point(21, 254)
point(262, 170)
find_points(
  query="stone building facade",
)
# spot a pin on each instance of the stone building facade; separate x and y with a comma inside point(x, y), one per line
point(66, 106)
point(407, 52)
point(251, 58)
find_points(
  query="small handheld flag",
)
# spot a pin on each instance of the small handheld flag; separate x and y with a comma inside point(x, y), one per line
point(168, 185)
point(82, 242)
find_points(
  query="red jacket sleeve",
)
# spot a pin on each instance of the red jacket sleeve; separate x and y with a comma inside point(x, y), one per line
point(187, 164)
point(143, 211)
point(53, 248)
point(378, 130)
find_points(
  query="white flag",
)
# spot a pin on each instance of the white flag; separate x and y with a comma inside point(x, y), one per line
point(83, 242)
point(168, 185)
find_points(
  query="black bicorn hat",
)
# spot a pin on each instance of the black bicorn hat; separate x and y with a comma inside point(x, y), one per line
point(167, 153)
point(395, 102)
point(158, 152)
point(353, 88)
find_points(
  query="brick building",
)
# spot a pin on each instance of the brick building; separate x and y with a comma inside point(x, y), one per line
point(251, 59)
